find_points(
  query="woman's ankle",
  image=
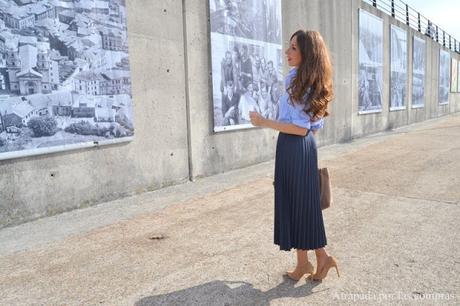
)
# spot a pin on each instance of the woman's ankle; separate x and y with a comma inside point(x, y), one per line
point(321, 253)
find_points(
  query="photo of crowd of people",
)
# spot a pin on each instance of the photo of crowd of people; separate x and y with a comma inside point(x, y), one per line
point(398, 75)
point(454, 76)
point(247, 79)
point(370, 63)
point(444, 76)
point(246, 64)
point(418, 73)
point(458, 76)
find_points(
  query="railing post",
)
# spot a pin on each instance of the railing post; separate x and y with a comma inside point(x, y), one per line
point(392, 8)
point(419, 24)
point(450, 46)
point(437, 37)
point(443, 38)
point(374, 3)
point(407, 15)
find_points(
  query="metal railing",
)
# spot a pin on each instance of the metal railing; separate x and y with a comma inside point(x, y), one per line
point(406, 14)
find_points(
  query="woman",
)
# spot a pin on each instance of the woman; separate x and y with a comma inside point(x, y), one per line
point(298, 216)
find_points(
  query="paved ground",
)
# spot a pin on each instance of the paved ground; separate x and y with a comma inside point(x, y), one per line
point(394, 228)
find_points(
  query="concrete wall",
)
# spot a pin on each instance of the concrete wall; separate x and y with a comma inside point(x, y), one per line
point(174, 139)
point(211, 152)
point(49, 184)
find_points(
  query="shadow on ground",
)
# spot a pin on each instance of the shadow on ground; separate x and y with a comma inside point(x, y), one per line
point(230, 293)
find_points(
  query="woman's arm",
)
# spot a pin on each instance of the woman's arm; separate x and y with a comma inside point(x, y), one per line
point(288, 128)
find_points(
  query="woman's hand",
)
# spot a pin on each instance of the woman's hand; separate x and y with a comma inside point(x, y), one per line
point(256, 119)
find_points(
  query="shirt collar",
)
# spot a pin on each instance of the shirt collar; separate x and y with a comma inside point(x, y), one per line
point(291, 74)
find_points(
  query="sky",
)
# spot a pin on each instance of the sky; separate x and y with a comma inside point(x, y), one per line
point(444, 13)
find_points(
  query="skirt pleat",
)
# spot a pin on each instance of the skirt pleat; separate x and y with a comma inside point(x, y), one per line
point(298, 215)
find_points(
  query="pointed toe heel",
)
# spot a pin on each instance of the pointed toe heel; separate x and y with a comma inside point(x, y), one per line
point(297, 274)
point(330, 262)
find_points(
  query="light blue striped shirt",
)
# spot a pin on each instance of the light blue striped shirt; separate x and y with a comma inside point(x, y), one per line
point(294, 113)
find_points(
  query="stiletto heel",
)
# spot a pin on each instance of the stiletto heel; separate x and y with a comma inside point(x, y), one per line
point(330, 262)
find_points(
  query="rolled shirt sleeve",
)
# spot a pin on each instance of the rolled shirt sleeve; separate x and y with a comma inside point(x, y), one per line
point(317, 124)
point(300, 118)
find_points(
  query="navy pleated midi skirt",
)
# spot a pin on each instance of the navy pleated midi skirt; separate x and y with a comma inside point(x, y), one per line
point(298, 216)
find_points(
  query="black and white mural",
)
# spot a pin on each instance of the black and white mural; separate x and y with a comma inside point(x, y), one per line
point(398, 74)
point(444, 76)
point(246, 60)
point(454, 76)
point(65, 80)
point(458, 77)
point(418, 73)
point(370, 62)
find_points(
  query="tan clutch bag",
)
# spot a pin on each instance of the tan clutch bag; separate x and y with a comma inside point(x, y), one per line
point(325, 188)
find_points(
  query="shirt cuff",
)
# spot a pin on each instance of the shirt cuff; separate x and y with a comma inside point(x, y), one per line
point(316, 125)
point(302, 123)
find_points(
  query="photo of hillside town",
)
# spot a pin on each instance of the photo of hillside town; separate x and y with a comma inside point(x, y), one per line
point(64, 73)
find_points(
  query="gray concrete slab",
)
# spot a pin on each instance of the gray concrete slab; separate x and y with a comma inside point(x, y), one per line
point(395, 244)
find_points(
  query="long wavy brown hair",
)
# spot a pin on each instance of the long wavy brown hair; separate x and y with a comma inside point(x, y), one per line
point(314, 74)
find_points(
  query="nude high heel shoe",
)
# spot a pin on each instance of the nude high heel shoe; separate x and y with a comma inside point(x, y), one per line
point(305, 269)
point(330, 262)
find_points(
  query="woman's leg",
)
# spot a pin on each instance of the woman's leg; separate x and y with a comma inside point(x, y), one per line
point(321, 257)
point(324, 263)
point(302, 257)
point(302, 267)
